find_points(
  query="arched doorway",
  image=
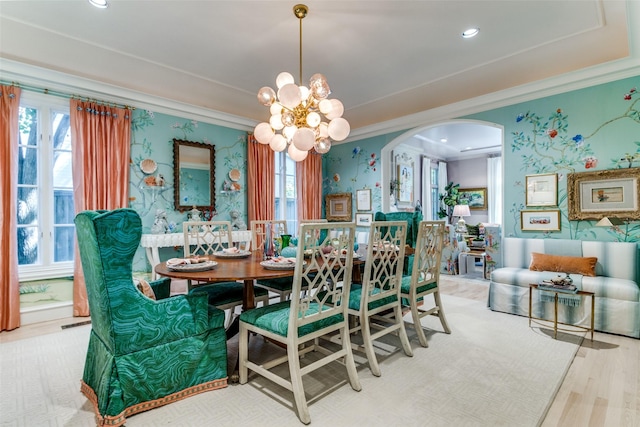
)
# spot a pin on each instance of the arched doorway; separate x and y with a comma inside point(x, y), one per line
point(466, 140)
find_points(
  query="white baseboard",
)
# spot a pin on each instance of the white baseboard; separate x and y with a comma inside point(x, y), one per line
point(44, 314)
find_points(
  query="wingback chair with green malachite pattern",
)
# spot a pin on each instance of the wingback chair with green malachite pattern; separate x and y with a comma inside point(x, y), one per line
point(143, 353)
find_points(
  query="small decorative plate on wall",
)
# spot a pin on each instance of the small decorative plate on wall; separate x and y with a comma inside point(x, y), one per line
point(148, 166)
point(234, 175)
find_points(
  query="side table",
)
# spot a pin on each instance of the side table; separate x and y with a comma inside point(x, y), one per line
point(581, 294)
point(467, 261)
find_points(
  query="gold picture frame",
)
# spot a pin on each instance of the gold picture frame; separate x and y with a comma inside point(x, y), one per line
point(542, 189)
point(540, 220)
point(338, 206)
point(476, 198)
point(611, 193)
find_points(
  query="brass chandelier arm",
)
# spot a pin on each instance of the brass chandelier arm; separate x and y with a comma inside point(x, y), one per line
point(300, 11)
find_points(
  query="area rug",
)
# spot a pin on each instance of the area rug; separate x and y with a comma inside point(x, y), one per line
point(492, 370)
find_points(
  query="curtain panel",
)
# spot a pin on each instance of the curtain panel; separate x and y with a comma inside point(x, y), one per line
point(309, 187)
point(9, 281)
point(101, 145)
point(261, 195)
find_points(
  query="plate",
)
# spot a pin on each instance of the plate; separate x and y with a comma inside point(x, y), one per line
point(148, 166)
point(234, 175)
point(201, 266)
point(223, 254)
point(270, 265)
point(355, 255)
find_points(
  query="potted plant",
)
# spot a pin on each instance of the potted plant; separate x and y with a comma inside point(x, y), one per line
point(448, 200)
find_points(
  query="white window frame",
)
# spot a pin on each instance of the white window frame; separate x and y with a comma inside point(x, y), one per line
point(46, 267)
point(281, 183)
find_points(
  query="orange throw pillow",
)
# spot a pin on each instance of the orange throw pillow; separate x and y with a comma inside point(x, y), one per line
point(563, 264)
point(146, 289)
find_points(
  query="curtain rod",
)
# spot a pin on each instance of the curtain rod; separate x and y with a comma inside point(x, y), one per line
point(64, 94)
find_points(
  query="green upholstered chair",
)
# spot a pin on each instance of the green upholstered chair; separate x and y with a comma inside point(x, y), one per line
point(298, 323)
point(205, 238)
point(424, 278)
point(412, 219)
point(143, 353)
point(376, 303)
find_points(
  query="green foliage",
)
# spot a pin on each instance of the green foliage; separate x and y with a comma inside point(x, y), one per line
point(33, 289)
point(449, 199)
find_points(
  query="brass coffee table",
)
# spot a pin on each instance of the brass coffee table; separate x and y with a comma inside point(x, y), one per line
point(538, 320)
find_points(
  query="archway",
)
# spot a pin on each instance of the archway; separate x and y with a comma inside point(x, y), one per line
point(488, 136)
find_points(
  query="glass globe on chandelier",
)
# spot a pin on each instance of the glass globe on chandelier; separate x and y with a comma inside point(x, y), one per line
point(302, 118)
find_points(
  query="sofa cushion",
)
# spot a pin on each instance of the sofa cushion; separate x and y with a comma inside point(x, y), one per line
point(564, 264)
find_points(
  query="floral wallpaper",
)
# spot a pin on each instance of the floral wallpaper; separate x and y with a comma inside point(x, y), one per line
point(152, 137)
point(596, 128)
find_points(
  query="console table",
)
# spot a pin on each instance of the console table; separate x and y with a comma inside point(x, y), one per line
point(152, 242)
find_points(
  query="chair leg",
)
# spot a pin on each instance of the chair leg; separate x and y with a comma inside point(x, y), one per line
point(368, 345)
point(296, 384)
point(404, 338)
point(349, 361)
point(415, 314)
point(441, 316)
point(243, 354)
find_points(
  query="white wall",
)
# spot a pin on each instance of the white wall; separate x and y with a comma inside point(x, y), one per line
point(471, 173)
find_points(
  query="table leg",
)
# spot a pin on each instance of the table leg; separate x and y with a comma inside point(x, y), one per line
point(593, 312)
point(530, 298)
point(555, 316)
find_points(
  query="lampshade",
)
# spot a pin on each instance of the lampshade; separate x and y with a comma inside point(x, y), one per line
point(609, 222)
point(461, 210)
point(302, 119)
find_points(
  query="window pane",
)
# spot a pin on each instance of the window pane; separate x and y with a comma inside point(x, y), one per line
point(28, 126)
point(27, 166)
point(61, 131)
point(64, 211)
point(27, 205)
point(63, 243)
point(62, 173)
point(27, 245)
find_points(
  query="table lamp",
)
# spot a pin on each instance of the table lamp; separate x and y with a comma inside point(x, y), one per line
point(461, 211)
point(615, 224)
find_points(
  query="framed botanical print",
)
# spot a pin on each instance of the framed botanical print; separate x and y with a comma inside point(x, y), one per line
point(363, 199)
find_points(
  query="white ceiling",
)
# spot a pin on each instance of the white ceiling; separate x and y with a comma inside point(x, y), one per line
point(383, 59)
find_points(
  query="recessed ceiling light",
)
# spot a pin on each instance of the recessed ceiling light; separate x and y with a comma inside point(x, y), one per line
point(102, 4)
point(471, 32)
point(443, 139)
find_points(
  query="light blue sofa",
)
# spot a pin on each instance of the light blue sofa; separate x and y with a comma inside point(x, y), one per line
point(616, 284)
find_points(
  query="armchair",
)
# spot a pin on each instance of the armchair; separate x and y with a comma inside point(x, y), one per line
point(413, 221)
point(143, 353)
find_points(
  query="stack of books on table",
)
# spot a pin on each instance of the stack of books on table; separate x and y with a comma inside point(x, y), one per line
point(548, 285)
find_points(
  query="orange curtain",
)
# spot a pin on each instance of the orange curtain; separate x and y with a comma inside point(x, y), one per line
point(9, 281)
point(101, 143)
point(309, 187)
point(261, 195)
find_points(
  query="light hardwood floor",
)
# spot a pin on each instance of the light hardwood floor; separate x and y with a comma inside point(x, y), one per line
point(601, 388)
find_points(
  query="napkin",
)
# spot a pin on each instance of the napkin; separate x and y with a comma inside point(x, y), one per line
point(178, 261)
point(284, 260)
point(231, 250)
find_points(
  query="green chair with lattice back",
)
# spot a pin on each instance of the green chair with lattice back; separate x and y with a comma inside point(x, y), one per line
point(143, 352)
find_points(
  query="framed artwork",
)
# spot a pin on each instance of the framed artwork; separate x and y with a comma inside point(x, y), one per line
point(610, 193)
point(543, 220)
point(405, 183)
point(363, 199)
point(338, 206)
point(476, 198)
point(364, 219)
point(542, 190)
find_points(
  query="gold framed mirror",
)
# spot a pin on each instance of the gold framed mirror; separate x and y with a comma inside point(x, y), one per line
point(194, 175)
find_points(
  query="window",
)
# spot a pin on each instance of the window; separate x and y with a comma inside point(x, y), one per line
point(45, 209)
point(433, 190)
point(286, 191)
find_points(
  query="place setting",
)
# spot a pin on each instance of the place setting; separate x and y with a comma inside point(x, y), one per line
point(192, 264)
point(232, 252)
point(280, 263)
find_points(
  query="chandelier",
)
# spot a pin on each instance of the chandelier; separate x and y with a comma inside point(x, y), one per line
point(302, 118)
